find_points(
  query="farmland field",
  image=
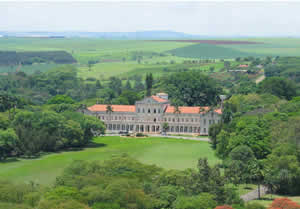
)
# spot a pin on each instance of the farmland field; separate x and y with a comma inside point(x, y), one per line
point(130, 57)
point(164, 152)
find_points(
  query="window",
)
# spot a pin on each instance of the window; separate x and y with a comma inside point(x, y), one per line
point(186, 120)
point(192, 120)
point(204, 121)
point(143, 110)
point(158, 110)
point(173, 119)
point(149, 110)
point(154, 110)
point(154, 120)
point(204, 130)
point(116, 118)
point(212, 114)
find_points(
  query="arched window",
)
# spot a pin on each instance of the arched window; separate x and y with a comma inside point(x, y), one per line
point(154, 110)
point(149, 110)
point(154, 120)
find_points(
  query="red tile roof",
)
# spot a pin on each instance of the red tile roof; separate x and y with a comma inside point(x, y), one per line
point(115, 108)
point(191, 110)
point(243, 66)
point(158, 99)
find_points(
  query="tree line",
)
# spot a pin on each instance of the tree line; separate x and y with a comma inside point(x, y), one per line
point(28, 58)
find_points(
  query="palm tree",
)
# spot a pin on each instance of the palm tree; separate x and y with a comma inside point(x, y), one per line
point(109, 110)
point(177, 112)
point(165, 127)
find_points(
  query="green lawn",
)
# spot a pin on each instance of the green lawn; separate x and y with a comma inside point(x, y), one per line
point(165, 152)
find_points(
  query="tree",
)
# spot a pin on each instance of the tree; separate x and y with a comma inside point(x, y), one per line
point(128, 85)
point(278, 86)
point(4, 122)
point(115, 84)
point(227, 65)
point(8, 141)
point(191, 88)
point(61, 99)
point(238, 165)
point(165, 127)
point(98, 85)
point(213, 131)
point(149, 83)
point(282, 169)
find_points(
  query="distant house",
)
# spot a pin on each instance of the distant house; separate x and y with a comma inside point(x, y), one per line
point(243, 66)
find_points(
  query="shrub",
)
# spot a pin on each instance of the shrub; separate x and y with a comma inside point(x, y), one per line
point(224, 207)
point(284, 203)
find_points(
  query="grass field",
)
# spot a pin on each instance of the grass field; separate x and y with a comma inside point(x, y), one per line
point(164, 152)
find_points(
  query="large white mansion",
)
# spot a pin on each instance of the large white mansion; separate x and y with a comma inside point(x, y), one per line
point(151, 114)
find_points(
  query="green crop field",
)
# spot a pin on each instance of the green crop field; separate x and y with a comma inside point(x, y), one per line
point(165, 152)
point(209, 51)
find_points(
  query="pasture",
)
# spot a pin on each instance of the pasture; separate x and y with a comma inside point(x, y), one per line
point(164, 152)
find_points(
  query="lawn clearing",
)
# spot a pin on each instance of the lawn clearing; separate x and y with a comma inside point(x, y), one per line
point(164, 152)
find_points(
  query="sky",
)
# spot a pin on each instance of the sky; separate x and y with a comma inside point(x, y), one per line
point(219, 18)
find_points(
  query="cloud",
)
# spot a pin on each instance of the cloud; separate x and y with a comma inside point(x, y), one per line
point(207, 18)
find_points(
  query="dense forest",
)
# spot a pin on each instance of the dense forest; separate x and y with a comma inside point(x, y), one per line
point(28, 58)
